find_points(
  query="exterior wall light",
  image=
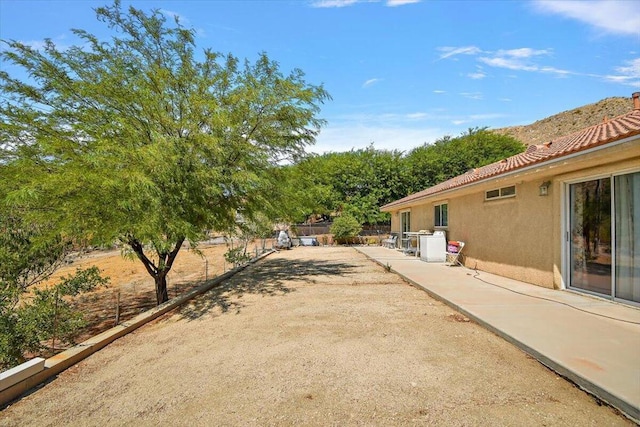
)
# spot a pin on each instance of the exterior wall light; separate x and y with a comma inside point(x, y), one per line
point(544, 188)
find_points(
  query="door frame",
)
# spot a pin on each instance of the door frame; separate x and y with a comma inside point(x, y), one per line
point(565, 243)
point(402, 237)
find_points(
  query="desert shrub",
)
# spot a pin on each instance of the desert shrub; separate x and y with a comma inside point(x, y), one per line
point(48, 316)
point(372, 241)
point(345, 229)
point(237, 256)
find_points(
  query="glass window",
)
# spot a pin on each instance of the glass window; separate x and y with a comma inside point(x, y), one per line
point(493, 194)
point(508, 191)
point(441, 215)
point(499, 193)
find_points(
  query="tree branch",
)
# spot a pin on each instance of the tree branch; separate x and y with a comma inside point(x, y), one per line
point(174, 253)
point(139, 250)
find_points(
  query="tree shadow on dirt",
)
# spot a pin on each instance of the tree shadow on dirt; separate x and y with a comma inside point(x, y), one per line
point(99, 308)
point(268, 278)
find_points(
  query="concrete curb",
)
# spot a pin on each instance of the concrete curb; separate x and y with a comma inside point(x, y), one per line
point(61, 361)
point(630, 411)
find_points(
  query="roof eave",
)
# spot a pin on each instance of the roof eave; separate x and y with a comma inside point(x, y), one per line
point(393, 206)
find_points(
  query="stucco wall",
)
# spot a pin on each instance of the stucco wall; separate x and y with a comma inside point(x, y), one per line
point(511, 237)
point(421, 218)
point(521, 237)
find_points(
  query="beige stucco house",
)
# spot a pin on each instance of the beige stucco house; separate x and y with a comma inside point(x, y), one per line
point(563, 215)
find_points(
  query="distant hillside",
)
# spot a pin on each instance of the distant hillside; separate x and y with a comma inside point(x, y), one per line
point(567, 122)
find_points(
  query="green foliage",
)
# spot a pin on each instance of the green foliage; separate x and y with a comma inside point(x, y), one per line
point(46, 315)
point(245, 232)
point(345, 227)
point(357, 182)
point(237, 256)
point(138, 140)
point(448, 157)
point(28, 252)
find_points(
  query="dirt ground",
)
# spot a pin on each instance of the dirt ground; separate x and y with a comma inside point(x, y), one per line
point(312, 336)
point(128, 277)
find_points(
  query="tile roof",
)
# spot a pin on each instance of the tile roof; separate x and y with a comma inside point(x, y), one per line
point(609, 131)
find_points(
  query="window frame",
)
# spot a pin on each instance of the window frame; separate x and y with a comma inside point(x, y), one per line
point(500, 193)
point(437, 215)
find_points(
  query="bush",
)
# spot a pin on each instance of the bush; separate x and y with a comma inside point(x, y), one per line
point(48, 315)
point(237, 256)
point(345, 228)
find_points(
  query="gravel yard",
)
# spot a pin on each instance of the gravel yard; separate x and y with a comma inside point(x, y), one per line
point(311, 336)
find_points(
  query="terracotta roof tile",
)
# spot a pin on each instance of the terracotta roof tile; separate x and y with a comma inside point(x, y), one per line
point(609, 131)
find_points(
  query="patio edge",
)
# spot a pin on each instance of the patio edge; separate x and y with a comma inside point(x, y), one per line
point(627, 409)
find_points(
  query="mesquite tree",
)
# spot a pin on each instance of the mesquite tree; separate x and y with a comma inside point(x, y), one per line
point(141, 140)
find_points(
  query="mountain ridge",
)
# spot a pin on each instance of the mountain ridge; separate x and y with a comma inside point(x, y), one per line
point(567, 122)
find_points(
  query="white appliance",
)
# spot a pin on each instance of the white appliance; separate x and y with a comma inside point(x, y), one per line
point(433, 247)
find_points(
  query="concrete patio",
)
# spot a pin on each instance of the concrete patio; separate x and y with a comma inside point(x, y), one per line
point(593, 342)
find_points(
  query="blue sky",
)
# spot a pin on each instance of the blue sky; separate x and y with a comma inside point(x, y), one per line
point(401, 72)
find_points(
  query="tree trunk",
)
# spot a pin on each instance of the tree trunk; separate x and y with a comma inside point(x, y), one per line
point(162, 295)
point(158, 272)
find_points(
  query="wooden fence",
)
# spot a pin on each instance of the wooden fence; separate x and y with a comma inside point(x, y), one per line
point(325, 228)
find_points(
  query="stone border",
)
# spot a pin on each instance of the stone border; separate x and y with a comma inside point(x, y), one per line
point(22, 380)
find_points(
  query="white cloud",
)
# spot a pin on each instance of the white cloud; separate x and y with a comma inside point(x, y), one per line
point(41, 44)
point(371, 82)
point(514, 59)
point(519, 65)
point(34, 44)
point(557, 71)
point(615, 17)
point(345, 3)
point(631, 70)
point(628, 74)
point(438, 91)
point(523, 52)
point(183, 20)
point(509, 63)
point(477, 76)
point(394, 3)
point(333, 3)
point(175, 15)
point(472, 95)
point(521, 60)
point(453, 51)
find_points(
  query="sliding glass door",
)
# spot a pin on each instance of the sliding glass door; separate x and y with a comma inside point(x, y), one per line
point(591, 235)
point(627, 236)
point(604, 236)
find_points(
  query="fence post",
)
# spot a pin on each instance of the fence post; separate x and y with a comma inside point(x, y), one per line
point(117, 307)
